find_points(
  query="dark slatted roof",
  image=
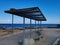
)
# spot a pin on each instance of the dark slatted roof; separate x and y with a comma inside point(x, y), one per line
point(31, 13)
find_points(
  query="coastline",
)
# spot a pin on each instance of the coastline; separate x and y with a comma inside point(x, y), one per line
point(7, 32)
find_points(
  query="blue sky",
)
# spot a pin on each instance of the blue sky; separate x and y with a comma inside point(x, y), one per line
point(50, 9)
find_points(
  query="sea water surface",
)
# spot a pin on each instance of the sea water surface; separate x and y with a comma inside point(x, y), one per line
point(26, 25)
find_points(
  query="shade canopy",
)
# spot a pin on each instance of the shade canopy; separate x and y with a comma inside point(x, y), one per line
point(31, 13)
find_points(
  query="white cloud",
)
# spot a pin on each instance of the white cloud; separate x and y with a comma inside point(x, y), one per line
point(10, 21)
point(5, 21)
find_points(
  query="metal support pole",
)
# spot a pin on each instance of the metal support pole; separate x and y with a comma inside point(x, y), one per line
point(35, 25)
point(24, 27)
point(40, 25)
point(12, 22)
point(30, 27)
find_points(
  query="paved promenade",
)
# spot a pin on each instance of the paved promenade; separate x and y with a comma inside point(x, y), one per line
point(49, 36)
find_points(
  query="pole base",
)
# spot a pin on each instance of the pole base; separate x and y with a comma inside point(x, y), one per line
point(28, 41)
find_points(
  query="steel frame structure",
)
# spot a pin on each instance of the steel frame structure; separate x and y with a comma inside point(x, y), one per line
point(33, 13)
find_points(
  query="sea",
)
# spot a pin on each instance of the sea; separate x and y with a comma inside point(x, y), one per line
point(26, 25)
